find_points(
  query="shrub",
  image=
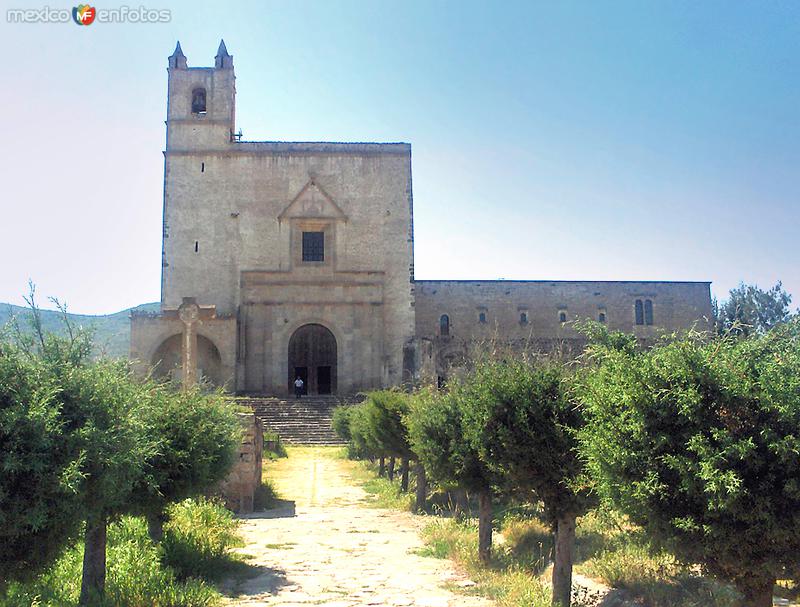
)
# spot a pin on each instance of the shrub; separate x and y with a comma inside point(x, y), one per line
point(199, 538)
point(385, 410)
point(136, 577)
point(130, 584)
point(696, 440)
point(39, 511)
point(273, 446)
point(341, 422)
point(363, 439)
point(198, 436)
point(375, 427)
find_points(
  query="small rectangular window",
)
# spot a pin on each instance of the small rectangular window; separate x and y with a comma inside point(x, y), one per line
point(313, 246)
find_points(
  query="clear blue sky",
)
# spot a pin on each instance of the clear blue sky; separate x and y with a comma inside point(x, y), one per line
point(561, 140)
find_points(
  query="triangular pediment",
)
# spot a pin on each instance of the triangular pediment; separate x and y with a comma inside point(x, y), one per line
point(312, 202)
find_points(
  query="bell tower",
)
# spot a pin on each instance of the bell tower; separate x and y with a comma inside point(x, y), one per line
point(200, 123)
point(201, 103)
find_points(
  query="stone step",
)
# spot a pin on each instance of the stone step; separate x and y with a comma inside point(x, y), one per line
point(304, 421)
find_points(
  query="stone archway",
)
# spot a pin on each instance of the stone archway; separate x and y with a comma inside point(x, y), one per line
point(313, 357)
point(166, 360)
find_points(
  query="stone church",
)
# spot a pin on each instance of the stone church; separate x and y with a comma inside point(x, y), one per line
point(286, 259)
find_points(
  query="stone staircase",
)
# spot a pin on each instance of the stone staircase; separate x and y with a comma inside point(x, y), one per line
point(305, 421)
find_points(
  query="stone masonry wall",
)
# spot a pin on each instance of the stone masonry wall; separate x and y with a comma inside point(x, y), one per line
point(149, 332)
point(677, 306)
point(234, 213)
point(224, 224)
point(239, 489)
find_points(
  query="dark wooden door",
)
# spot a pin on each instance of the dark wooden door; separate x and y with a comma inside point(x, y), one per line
point(313, 347)
point(324, 379)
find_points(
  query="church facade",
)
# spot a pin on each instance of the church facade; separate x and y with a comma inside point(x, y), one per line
point(286, 259)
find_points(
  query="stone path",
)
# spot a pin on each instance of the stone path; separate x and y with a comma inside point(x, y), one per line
point(326, 546)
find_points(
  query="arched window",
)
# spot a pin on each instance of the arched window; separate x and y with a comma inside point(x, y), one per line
point(601, 317)
point(482, 317)
point(444, 325)
point(562, 316)
point(523, 318)
point(648, 312)
point(639, 310)
point(199, 101)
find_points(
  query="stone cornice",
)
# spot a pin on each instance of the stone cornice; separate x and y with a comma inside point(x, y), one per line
point(247, 148)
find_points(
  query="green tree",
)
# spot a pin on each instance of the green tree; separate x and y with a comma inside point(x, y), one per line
point(698, 441)
point(523, 424)
point(106, 411)
point(436, 427)
point(100, 415)
point(363, 441)
point(39, 511)
point(197, 437)
point(87, 441)
point(360, 442)
point(385, 410)
point(341, 422)
point(749, 309)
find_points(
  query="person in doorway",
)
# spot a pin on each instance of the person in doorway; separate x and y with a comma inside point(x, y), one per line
point(298, 387)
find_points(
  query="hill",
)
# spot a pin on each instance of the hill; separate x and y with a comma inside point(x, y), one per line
point(112, 332)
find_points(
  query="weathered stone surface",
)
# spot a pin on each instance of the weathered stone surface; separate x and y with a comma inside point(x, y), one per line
point(239, 489)
point(337, 551)
point(234, 217)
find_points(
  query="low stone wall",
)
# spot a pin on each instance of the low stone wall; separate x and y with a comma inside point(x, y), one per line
point(239, 489)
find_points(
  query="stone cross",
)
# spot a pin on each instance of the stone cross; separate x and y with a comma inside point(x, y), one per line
point(189, 313)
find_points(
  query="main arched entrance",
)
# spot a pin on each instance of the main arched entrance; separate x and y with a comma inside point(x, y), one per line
point(312, 357)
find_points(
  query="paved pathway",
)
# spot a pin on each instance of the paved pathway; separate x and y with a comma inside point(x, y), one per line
point(330, 548)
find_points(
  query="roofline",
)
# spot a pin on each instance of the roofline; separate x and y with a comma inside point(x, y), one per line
point(300, 147)
point(403, 143)
point(502, 281)
point(323, 146)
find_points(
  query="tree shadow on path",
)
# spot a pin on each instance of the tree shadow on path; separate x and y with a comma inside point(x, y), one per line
point(254, 580)
point(281, 509)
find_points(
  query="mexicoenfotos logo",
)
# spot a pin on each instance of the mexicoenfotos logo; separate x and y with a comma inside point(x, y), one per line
point(83, 14)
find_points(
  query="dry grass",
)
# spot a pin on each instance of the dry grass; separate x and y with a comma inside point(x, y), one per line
point(508, 583)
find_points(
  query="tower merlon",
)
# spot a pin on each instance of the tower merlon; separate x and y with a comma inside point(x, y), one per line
point(177, 60)
point(223, 59)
